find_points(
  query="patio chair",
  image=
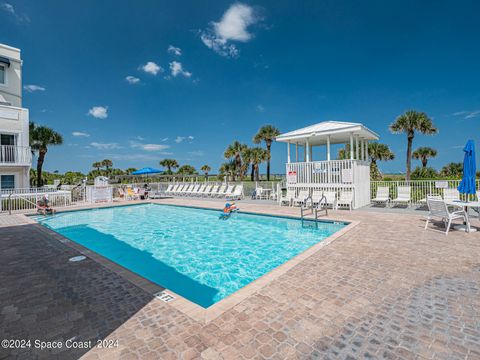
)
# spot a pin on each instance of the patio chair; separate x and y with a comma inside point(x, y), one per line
point(287, 198)
point(300, 199)
point(205, 191)
point(451, 194)
point(213, 191)
point(330, 198)
point(403, 196)
point(186, 190)
point(121, 193)
point(169, 188)
point(317, 195)
point(199, 190)
point(258, 192)
point(220, 192)
point(345, 199)
point(438, 209)
point(237, 193)
point(383, 195)
point(229, 190)
point(131, 194)
point(177, 190)
point(194, 190)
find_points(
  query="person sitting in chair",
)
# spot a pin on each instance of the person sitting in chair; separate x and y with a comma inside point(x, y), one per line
point(43, 206)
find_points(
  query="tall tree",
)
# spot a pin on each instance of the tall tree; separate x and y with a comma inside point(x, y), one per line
point(186, 170)
point(97, 165)
point(247, 160)
point(41, 137)
point(378, 152)
point(170, 164)
point(235, 150)
point(107, 163)
point(409, 123)
point(206, 169)
point(258, 156)
point(423, 154)
point(130, 170)
point(267, 133)
point(229, 169)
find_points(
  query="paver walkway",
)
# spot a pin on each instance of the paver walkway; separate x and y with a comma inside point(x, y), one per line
point(386, 289)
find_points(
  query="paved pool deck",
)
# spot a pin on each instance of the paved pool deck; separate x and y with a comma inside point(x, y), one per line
point(386, 289)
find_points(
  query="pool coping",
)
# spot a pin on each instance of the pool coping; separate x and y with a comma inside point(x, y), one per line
point(180, 303)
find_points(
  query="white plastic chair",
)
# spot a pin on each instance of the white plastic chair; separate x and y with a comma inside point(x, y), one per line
point(404, 195)
point(345, 199)
point(438, 209)
point(300, 199)
point(383, 195)
point(237, 193)
point(288, 198)
point(451, 194)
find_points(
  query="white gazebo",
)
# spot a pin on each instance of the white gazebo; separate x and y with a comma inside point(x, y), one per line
point(350, 174)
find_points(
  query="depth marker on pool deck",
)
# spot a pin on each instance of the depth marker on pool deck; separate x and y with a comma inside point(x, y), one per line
point(164, 296)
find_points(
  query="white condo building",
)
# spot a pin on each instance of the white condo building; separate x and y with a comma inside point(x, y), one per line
point(15, 154)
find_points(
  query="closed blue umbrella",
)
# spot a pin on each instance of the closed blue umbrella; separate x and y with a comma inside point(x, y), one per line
point(468, 184)
point(146, 171)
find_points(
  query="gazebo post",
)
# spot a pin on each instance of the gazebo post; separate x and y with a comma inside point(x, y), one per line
point(328, 147)
point(366, 150)
point(362, 145)
point(307, 150)
point(357, 150)
point(296, 152)
point(351, 146)
point(288, 152)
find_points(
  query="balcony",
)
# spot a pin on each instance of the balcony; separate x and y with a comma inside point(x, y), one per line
point(12, 155)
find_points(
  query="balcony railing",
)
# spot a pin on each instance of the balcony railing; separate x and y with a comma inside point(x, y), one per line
point(15, 155)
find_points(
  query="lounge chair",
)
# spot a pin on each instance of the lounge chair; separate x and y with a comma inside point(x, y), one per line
point(131, 194)
point(221, 191)
point(317, 196)
point(300, 199)
point(383, 195)
point(205, 191)
point(177, 190)
point(237, 193)
point(199, 190)
point(193, 191)
point(227, 191)
point(258, 192)
point(288, 198)
point(437, 208)
point(121, 193)
point(403, 196)
point(169, 188)
point(213, 191)
point(186, 190)
point(345, 199)
point(330, 199)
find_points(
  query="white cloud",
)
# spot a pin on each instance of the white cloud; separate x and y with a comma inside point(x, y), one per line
point(105, 146)
point(132, 79)
point(11, 10)
point(136, 157)
point(233, 26)
point(80, 134)
point(196, 153)
point(174, 50)
point(99, 112)
point(177, 69)
point(32, 88)
point(260, 108)
point(468, 114)
point(151, 68)
point(148, 147)
point(180, 139)
point(164, 139)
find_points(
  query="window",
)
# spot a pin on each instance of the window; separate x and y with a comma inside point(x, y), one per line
point(7, 182)
point(3, 75)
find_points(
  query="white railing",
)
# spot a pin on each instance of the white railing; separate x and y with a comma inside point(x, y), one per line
point(332, 175)
point(15, 155)
point(22, 200)
point(420, 188)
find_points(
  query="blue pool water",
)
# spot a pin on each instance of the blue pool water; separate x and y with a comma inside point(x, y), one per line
point(189, 250)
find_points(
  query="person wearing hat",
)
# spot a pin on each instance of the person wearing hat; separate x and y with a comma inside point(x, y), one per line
point(43, 206)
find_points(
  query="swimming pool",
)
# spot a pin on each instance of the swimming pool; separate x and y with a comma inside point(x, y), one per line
point(189, 250)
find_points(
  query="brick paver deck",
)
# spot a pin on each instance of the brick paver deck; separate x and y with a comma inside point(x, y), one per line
point(385, 289)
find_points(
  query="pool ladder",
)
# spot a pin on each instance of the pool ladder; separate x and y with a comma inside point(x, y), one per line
point(314, 210)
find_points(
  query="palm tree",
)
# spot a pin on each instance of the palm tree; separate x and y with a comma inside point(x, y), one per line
point(258, 156)
point(186, 170)
point(206, 169)
point(409, 123)
point(266, 133)
point(454, 170)
point(235, 150)
point(107, 163)
point(41, 137)
point(97, 165)
point(247, 160)
point(130, 170)
point(228, 169)
point(423, 154)
point(379, 152)
point(169, 164)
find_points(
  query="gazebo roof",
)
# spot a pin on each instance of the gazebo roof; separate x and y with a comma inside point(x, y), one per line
point(339, 132)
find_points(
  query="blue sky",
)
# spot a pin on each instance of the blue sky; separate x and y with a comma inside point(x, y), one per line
point(202, 74)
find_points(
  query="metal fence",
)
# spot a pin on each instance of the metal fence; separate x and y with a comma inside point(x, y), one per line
point(419, 188)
